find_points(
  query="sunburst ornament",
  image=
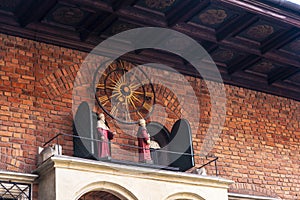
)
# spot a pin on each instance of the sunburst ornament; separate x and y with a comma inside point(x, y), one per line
point(124, 92)
point(260, 31)
point(213, 16)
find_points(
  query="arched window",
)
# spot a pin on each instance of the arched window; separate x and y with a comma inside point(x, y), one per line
point(98, 195)
point(185, 196)
point(105, 191)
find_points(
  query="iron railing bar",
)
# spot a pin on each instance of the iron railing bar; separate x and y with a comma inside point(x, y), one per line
point(216, 167)
point(52, 139)
point(208, 162)
point(125, 145)
point(7, 190)
point(30, 188)
point(22, 190)
point(215, 158)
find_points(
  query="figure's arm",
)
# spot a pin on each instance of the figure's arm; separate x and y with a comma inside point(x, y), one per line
point(100, 131)
point(146, 137)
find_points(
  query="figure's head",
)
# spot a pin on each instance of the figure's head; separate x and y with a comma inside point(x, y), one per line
point(102, 116)
point(142, 122)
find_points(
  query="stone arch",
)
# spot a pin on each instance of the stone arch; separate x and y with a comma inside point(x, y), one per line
point(184, 196)
point(113, 188)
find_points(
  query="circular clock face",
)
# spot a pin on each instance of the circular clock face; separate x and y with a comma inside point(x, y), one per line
point(124, 92)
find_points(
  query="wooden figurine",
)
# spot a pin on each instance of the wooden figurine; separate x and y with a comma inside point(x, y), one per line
point(105, 136)
point(144, 143)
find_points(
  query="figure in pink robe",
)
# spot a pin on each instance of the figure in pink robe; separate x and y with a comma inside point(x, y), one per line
point(105, 136)
point(144, 143)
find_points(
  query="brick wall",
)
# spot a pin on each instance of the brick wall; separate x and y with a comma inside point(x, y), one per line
point(260, 143)
point(35, 102)
point(258, 147)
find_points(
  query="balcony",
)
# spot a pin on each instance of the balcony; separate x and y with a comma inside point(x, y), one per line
point(121, 176)
point(69, 178)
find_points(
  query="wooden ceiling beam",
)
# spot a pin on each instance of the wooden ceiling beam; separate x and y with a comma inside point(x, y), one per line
point(101, 15)
point(283, 58)
point(208, 47)
point(117, 4)
point(92, 4)
point(46, 37)
point(243, 64)
point(236, 26)
point(266, 10)
point(96, 27)
point(195, 33)
point(290, 87)
point(187, 13)
point(281, 40)
point(140, 18)
point(204, 35)
point(242, 79)
point(179, 13)
point(282, 74)
point(36, 11)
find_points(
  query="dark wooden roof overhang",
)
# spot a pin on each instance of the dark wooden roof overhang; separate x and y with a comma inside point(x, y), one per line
point(255, 44)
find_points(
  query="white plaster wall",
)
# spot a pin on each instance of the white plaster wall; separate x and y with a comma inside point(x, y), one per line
point(75, 182)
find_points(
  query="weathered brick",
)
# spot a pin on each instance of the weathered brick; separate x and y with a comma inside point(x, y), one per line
point(259, 144)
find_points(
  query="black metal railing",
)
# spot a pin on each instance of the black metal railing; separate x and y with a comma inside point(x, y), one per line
point(128, 154)
point(15, 191)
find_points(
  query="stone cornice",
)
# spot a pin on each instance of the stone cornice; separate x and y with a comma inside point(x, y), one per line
point(251, 196)
point(74, 163)
point(17, 177)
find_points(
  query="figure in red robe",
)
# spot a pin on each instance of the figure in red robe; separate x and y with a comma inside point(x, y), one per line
point(105, 136)
point(144, 143)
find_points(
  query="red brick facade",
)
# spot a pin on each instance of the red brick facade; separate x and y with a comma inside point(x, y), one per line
point(258, 148)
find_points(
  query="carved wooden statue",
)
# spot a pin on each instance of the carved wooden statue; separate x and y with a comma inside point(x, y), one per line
point(105, 136)
point(144, 143)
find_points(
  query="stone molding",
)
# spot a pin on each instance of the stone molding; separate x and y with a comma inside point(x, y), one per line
point(72, 177)
point(68, 162)
point(17, 177)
